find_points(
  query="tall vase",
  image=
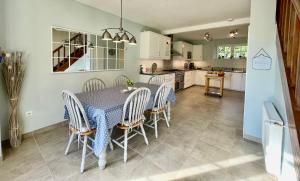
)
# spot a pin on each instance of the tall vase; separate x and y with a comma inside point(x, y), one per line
point(13, 72)
point(15, 135)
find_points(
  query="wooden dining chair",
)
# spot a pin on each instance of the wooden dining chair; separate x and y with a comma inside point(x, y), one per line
point(159, 107)
point(79, 125)
point(156, 79)
point(121, 80)
point(133, 117)
point(93, 84)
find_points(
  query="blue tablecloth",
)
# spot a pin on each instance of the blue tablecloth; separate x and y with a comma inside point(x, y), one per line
point(104, 110)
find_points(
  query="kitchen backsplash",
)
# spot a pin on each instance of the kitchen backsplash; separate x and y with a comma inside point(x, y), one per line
point(179, 64)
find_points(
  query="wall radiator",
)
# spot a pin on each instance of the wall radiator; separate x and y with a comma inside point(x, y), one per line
point(272, 138)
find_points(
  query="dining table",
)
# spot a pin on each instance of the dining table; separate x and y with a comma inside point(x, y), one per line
point(104, 111)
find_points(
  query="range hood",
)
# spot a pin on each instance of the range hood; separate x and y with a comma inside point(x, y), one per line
point(174, 52)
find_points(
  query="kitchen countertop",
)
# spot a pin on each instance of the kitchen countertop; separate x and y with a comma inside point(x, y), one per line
point(171, 72)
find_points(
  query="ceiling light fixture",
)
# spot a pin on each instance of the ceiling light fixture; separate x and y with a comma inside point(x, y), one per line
point(124, 33)
point(233, 33)
point(207, 37)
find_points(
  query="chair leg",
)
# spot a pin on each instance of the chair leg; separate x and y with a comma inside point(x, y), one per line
point(155, 125)
point(144, 133)
point(110, 142)
point(69, 143)
point(83, 154)
point(166, 118)
point(78, 141)
point(125, 145)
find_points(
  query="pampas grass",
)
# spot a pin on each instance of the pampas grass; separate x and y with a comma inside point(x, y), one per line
point(13, 72)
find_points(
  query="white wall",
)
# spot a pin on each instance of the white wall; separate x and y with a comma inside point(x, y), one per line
point(28, 28)
point(259, 83)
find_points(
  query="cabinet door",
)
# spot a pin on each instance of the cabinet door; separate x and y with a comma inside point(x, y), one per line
point(243, 82)
point(197, 52)
point(227, 80)
point(165, 48)
point(235, 83)
point(154, 45)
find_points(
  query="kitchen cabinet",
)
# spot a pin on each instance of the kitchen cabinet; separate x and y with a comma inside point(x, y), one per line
point(236, 81)
point(183, 48)
point(188, 79)
point(200, 77)
point(243, 82)
point(167, 77)
point(227, 80)
point(155, 46)
point(197, 52)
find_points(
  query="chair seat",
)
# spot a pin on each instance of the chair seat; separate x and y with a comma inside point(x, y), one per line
point(126, 124)
point(155, 110)
point(84, 131)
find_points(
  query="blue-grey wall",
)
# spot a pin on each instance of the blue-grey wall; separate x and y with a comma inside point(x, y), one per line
point(28, 28)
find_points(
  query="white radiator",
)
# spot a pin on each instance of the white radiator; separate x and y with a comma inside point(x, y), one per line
point(272, 136)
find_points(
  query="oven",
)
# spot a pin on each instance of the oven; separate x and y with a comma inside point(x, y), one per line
point(179, 80)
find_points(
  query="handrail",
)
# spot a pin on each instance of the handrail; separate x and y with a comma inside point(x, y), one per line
point(288, 23)
point(72, 39)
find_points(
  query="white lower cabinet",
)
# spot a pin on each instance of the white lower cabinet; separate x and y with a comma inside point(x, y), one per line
point(236, 81)
point(200, 77)
point(232, 80)
point(188, 79)
point(227, 80)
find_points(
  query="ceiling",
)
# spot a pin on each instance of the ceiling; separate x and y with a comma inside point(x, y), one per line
point(170, 14)
point(217, 33)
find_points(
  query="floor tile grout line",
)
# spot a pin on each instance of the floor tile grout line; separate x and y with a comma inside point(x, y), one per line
point(39, 149)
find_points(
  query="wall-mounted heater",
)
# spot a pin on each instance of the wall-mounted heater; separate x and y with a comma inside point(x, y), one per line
point(272, 136)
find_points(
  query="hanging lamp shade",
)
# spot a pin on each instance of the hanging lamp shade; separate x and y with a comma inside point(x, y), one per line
point(117, 38)
point(125, 37)
point(132, 41)
point(106, 35)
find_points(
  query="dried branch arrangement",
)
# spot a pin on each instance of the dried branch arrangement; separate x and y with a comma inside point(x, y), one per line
point(13, 72)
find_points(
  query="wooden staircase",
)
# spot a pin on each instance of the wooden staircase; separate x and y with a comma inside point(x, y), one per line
point(60, 54)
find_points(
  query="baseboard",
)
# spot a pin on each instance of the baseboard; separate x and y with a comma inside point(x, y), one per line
point(252, 138)
point(38, 131)
point(45, 129)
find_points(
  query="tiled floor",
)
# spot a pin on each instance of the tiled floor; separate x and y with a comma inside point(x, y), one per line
point(204, 142)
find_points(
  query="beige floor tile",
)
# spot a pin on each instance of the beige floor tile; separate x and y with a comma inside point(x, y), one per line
point(204, 142)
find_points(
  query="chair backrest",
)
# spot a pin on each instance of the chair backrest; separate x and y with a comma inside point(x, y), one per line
point(77, 115)
point(93, 84)
point(161, 96)
point(121, 80)
point(135, 106)
point(158, 80)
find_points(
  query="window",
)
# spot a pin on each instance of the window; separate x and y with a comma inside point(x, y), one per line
point(240, 52)
point(232, 52)
point(224, 52)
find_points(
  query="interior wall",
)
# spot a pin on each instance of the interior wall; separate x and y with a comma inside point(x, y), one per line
point(3, 98)
point(29, 30)
point(210, 53)
point(259, 83)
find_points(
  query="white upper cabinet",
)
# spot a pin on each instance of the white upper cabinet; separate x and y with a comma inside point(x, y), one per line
point(155, 46)
point(197, 52)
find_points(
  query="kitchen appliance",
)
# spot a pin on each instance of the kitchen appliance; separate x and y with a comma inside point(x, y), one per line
point(179, 78)
point(191, 66)
point(189, 55)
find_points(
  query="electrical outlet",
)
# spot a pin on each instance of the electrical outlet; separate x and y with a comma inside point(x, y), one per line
point(28, 113)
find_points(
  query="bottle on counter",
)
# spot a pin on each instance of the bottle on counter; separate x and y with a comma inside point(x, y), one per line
point(141, 69)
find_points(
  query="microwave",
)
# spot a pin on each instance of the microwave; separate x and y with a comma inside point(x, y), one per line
point(189, 55)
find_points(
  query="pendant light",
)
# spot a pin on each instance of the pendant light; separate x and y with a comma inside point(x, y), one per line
point(124, 33)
